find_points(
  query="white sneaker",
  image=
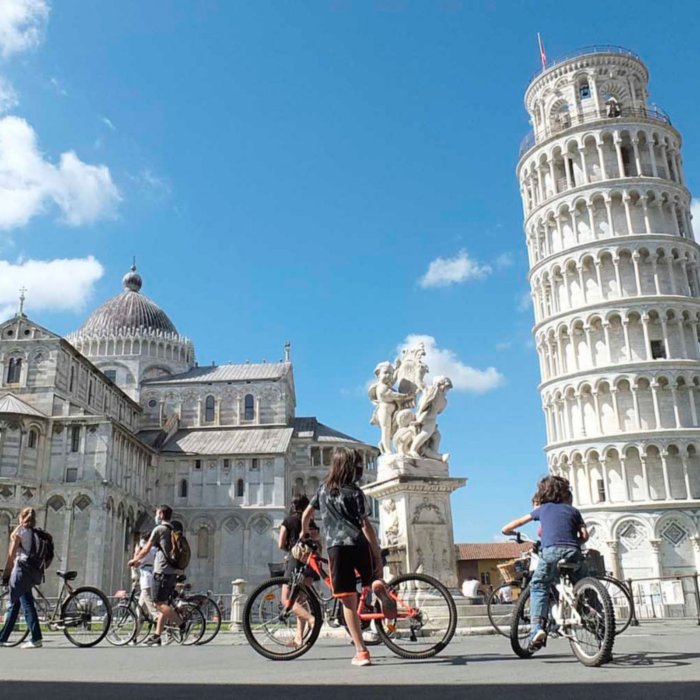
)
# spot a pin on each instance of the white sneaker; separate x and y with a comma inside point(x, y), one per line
point(32, 645)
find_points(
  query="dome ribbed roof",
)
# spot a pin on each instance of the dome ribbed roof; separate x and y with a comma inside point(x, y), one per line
point(128, 311)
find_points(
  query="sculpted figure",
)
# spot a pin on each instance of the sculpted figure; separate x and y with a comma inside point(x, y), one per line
point(391, 531)
point(432, 403)
point(387, 402)
point(411, 370)
point(405, 432)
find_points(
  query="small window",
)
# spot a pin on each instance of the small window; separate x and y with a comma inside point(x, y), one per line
point(197, 464)
point(91, 391)
point(14, 370)
point(71, 474)
point(209, 409)
point(71, 382)
point(227, 465)
point(315, 456)
point(240, 488)
point(327, 456)
point(255, 464)
point(182, 492)
point(152, 403)
point(485, 578)
point(111, 374)
point(249, 407)
point(658, 350)
point(601, 491)
point(33, 439)
point(570, 166)
point(75, 439)
point(584, 91)
point(203, 543)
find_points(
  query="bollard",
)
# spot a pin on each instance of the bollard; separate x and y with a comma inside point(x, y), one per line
point(635, 621)
point(697, 596)
point(238, 597)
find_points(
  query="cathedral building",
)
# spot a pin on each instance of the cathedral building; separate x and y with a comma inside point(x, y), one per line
point(614, 274)
point(99, 427)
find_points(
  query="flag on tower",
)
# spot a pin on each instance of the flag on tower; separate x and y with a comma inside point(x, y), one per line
point(543, 55)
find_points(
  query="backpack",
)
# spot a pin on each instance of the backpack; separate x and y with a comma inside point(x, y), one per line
point(180, 552)
point(41, 553)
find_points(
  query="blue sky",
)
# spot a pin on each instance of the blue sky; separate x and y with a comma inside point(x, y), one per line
point(290, 170)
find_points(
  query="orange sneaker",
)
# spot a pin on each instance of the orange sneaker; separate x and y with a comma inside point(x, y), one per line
point(361, 659)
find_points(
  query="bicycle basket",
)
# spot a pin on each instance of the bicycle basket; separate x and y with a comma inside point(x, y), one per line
point(507, 570)
point(594, 562)
point(276, 569)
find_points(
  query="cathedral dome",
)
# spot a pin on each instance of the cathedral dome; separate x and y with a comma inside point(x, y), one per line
point(128, 312)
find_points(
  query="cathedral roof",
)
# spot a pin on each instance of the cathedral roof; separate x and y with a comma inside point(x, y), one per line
point(231, 441)
point(128, 312)
point(228, 373)
point(309, 427)
point(9, 403)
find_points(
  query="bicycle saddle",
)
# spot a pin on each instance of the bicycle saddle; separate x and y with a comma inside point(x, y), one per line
point(67, 575)
point(181, 578)
point(568, 566)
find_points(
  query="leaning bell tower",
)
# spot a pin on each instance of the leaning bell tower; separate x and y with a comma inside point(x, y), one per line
point(616, 296)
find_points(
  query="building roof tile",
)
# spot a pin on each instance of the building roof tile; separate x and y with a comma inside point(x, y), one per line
point(232, 441)
point(9, 403)
point(227, 373)
point(491, 550)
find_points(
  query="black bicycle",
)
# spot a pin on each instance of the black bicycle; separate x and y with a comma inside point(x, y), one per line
point(83, 614)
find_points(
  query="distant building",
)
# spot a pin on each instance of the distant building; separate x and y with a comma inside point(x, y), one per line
point(98, 428)
point(616, 292)
point(480, 560)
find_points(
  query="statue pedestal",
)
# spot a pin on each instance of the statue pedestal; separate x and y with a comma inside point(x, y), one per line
point(416, 516)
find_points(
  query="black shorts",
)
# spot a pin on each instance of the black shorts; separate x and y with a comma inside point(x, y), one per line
point(163, 586)
point(346, 563)
point(292, 563)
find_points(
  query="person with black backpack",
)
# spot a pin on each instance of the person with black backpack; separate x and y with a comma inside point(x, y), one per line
point(31, 551)
point(172, 556)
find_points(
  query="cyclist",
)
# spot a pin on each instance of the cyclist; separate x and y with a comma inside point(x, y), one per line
point(351, 542)
point(563, 532)
point(288, 537)
point(20, 576)
point(164, 574)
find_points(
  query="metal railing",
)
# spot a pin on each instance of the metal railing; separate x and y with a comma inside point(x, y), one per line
point(568, 120)
point(597, 48)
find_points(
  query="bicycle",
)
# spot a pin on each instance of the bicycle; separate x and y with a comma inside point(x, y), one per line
point(504, 598)
point(425, 623)
point(83, 614)
point(581, 612)
point(133, 623)
point(209, 608)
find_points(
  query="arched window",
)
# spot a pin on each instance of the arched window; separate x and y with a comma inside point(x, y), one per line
point(33, 439)
point(240, 488)
point(249, 407)
point(203, 542)
point(183, 488)
point(209, 409)
point(584, 90)
point(14, 370)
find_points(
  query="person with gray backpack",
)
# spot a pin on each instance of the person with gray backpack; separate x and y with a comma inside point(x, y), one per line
point(31, 551)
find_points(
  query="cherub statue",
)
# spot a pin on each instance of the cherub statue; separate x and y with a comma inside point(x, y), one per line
point(405, 419)
point(411, 370)
point(391, 531)
point(387, 401)
point(432, 403)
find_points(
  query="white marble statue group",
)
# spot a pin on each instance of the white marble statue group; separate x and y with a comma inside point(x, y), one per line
point(414, 434)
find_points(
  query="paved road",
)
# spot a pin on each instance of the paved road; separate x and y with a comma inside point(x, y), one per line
point(660, 660)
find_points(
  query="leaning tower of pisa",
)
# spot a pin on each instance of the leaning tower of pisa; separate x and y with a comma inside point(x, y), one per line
point(616, 293)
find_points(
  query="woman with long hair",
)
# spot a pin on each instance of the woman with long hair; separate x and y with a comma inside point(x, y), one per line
point(21, 580)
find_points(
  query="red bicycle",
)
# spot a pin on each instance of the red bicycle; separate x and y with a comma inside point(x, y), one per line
point(425, 623)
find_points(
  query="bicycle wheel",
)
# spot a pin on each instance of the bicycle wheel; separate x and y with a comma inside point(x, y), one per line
point(85, 616)
point(271, 629)
point(501, 604)
point(520, 626)
point(124, 625)
point(592, 637)
point(192, 627)
point(20, 630)
point(426, 617)
point(621, 600)
point(212, 616)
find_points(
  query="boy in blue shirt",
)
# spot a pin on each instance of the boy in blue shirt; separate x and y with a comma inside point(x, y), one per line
point(563, 532)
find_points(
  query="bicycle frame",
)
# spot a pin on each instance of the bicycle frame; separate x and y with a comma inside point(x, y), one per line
point(53, 621)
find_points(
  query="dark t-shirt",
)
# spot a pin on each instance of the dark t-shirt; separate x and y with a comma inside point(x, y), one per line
point(342, 514)
point(162, 540)
point(560, 524)
point(292, 523)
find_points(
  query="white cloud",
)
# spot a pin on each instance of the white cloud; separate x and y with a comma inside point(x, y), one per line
point(442, 361)
point(443, 272)
point(52, 285)
point(22, 24)
point(58, 87)
point(29, 184)
point(8, 96)
point(695, 213)
point(504, 260)
point(504, 345)
point(108, 123)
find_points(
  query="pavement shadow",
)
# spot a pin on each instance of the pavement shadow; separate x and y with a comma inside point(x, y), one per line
point(673, 690)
